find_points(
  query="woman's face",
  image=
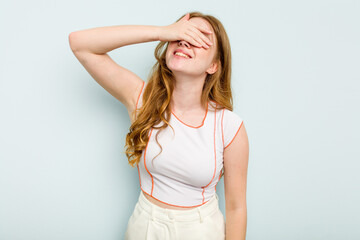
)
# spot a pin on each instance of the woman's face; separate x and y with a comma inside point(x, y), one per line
point(201, 58)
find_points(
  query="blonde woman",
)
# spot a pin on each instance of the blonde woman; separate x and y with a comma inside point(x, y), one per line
point(184, 135)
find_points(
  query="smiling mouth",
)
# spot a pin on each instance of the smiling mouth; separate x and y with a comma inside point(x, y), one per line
point(180, 54)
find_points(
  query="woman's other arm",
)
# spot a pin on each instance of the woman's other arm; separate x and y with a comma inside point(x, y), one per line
point(236, 157)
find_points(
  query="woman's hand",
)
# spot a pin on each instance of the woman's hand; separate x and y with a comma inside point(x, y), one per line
point(185, 30)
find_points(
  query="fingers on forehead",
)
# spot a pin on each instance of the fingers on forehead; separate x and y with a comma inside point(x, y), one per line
point(202, 22)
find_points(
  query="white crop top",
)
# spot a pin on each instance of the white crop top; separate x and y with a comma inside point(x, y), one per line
point(188, 169)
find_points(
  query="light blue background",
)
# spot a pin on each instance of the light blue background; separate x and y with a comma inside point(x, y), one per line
point(63, 171)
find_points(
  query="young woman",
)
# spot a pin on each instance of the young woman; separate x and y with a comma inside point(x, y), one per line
point(184, 135)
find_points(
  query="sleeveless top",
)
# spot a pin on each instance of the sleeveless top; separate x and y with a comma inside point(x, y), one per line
point(186, 172)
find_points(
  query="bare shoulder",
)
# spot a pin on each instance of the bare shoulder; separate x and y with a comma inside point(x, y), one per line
point(240, 143)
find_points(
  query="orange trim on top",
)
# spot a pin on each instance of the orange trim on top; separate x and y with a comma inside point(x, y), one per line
point(214, 154)
point(152, 179)
point(173, 204)
point(139, 174)
point(222, 131)
point(202, 120)
point(235, 134)
point(139, 95)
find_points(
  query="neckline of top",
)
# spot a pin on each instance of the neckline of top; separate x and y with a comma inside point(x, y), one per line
point(203, 121)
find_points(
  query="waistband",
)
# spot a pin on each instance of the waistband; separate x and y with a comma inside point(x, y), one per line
point(197, 213)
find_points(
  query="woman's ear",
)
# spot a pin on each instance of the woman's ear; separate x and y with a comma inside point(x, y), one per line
point(213, 68)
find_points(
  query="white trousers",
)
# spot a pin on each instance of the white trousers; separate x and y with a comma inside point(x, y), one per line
point(152, 222)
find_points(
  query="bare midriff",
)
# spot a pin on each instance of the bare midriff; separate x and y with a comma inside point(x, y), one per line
point(163, 205)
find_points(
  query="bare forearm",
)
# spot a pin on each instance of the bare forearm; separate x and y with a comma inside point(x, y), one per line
point(101, 40)
point(235, 226)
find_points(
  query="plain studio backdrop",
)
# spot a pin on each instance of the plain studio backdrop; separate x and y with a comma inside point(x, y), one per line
point(295, 80)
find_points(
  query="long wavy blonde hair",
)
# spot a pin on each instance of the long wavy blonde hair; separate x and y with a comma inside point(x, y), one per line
point(160, 85)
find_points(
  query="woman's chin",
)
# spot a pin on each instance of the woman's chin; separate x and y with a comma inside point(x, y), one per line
point(180, 70)
point(178, 67)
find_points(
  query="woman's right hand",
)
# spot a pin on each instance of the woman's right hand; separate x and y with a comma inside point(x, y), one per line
point(185, 30)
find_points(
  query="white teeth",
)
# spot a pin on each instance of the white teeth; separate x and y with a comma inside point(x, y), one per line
point(181, 54)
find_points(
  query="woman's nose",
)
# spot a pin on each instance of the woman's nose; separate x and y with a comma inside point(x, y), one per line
point(182, 42)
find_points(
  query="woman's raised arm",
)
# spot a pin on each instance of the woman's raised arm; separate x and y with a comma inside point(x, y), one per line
point(90, 47)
